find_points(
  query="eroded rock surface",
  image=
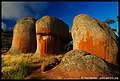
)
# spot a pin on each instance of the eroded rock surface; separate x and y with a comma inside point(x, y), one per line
point(77, 64)
point(52, 36)
point(95, 37)
point(24, 36)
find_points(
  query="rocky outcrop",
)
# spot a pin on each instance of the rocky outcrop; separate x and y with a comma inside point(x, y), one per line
point(95, 37)
point(24, 36)
point(52, 36)
point(77, 64)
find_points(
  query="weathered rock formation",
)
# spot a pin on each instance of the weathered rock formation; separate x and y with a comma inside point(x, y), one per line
point(77, 64)
point(24, 36)
point(52, 35)
point(95, 37)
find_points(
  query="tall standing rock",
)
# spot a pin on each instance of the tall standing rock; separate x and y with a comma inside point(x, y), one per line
point(52, 35)
point(95, 37)
point(24, 36)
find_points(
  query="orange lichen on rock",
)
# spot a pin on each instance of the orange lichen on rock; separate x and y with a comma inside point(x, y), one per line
point(98, 49)
point(96, 37)
point(21, 44)
point(52, 36)
point(24, 36)
point(48, 44)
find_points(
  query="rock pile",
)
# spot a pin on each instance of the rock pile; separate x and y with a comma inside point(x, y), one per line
point(95, 46)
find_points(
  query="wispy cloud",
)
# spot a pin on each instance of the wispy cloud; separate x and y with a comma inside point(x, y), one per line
point(16, 10)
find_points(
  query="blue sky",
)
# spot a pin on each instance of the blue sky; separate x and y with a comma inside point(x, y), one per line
point(65, 10)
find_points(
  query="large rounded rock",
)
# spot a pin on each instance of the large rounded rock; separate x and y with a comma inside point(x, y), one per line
point(24, 36)
point(52, 36)
point(78, 64)
point(95, 37)
point(54, 26)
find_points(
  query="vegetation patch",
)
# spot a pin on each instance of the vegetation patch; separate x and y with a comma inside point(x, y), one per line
point(18, 66)
point(14, 66)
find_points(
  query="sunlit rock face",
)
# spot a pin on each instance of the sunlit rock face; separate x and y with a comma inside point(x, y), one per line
point(24, 36)
point(95, 37)
point(77, 64)
point(52, 36)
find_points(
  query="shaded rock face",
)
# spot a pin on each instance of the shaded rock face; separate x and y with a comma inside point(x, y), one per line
point(95, 37)
point(52, 35)
point(78, 64)
point(24, 36)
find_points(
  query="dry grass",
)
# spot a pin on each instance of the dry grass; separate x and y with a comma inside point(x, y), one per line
point(17, 66)
point(14, 66)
